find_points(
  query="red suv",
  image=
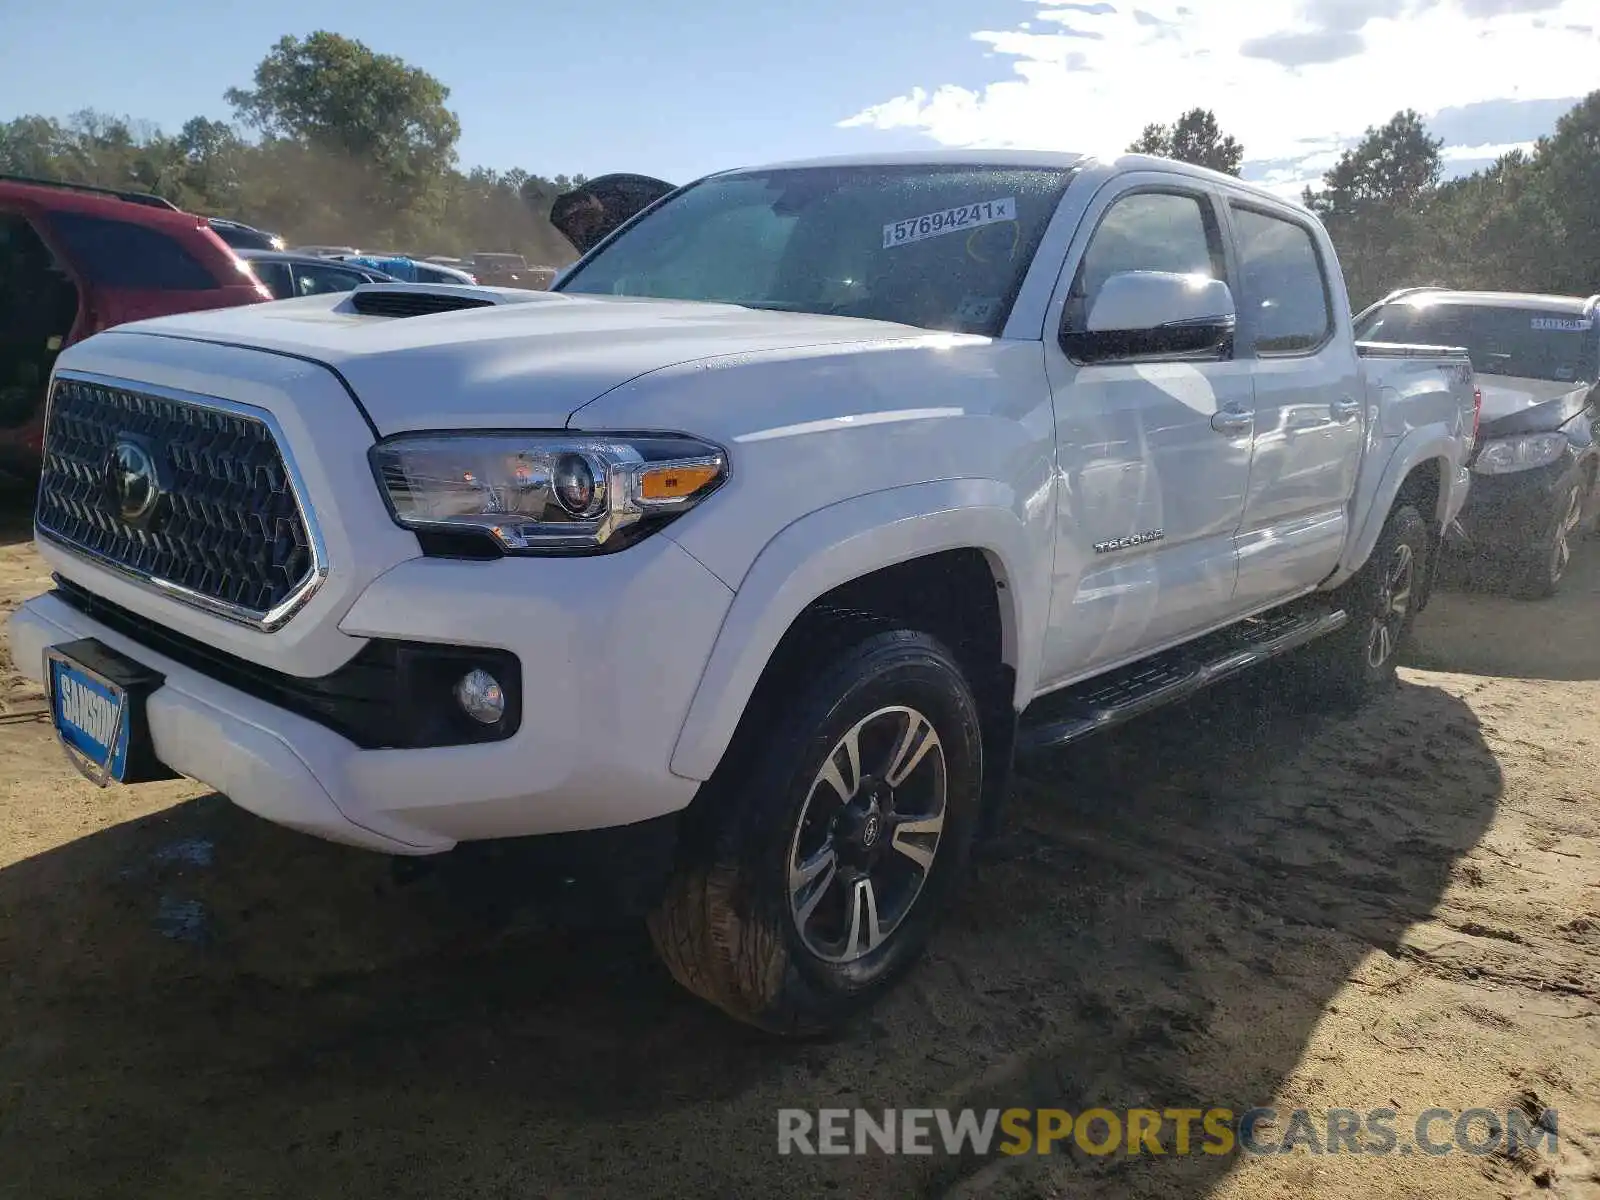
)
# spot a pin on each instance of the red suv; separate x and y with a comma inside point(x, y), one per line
point(75, 260)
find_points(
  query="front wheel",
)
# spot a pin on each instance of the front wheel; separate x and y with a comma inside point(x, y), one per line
point(815, 875)
point(1355, 663)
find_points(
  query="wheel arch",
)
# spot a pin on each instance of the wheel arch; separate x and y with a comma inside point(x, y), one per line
point(1421, 486)
point(1422, 469)
point(954, 555)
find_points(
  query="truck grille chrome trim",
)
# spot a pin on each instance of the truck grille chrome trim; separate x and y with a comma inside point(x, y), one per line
point(194, 497)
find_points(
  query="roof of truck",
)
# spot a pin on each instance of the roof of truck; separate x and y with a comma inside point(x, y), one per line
point(1058, 160)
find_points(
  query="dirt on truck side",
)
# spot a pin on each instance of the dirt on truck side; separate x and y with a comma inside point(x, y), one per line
point(1233, 903)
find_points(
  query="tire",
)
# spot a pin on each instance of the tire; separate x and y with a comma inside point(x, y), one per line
point(1538, 576)
point(1591, 527)
point(1354, 664)
point(729, 928)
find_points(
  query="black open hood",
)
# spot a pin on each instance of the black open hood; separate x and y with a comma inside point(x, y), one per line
point(1538, 418)
point(586, 215)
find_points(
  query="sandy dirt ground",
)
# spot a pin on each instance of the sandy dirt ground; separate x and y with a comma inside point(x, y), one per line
point(1235, 904)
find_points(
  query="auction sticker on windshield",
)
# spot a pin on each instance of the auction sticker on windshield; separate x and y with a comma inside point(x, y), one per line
point(949, 220)
point(1561, 324)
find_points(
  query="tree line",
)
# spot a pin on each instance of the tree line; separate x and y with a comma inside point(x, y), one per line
point(1528, 223)
point(335, 144)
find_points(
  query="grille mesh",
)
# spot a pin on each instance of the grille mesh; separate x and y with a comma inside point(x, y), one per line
point(226, 525)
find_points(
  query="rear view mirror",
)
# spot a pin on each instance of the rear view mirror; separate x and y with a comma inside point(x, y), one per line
point(1155, 314)
point(587, 215)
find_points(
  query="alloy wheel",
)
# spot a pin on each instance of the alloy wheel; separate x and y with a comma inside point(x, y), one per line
point(1561, 552)
point(1394, 603)
point(868, 834)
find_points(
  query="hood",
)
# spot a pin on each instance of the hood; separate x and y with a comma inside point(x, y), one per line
point(529, 361)
point(591, 212)
point(1515, 405)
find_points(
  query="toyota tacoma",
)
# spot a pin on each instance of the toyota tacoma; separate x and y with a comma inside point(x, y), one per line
point(758, 548)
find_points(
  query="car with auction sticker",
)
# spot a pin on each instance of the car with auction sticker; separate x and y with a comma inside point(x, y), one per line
point(1536, 472)
point(745, 562)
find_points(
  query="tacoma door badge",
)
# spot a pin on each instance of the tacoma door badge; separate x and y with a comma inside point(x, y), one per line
point(1127, 543)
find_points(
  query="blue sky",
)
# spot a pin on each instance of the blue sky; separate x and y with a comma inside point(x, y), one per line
point(683, 88)
point(674, 89)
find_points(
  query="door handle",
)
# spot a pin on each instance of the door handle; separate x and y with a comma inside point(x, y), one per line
point(1344, 408)
point(1233, 420)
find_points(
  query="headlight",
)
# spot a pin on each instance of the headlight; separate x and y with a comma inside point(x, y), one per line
point(545, 493)
point(1505, 455)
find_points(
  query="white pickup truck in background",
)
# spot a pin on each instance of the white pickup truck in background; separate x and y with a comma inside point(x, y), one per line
point(756, 549)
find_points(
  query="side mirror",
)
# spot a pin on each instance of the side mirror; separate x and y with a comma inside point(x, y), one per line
point(1155, 314)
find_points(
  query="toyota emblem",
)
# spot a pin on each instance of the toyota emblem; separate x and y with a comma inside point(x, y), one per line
point(135, 485)
point(870, 831)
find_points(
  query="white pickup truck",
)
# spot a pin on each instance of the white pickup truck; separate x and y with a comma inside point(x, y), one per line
point(755, 550)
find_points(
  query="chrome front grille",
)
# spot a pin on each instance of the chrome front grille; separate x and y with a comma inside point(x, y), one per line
point(190, 495)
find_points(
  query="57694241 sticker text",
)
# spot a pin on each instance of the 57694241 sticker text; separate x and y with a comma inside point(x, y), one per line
point(949, 220)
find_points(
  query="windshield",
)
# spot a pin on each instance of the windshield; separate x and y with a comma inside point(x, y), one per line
point(935, 247)
point(1527, 343)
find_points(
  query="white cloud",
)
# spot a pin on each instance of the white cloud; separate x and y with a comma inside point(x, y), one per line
point(1293, 88)
point(1490, 150)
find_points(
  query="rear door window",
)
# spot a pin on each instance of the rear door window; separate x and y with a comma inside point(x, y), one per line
point(1287, 303)
point(118, 254)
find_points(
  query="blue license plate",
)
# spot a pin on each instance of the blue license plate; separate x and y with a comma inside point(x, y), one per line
point(91, 717)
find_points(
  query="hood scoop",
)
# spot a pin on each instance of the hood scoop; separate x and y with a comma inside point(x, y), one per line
point(420, 300)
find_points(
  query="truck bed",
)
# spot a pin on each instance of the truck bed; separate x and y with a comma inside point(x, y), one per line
point(1396, 350)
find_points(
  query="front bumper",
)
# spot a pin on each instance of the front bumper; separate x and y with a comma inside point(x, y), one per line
point(1510, 513)
point(611, 650)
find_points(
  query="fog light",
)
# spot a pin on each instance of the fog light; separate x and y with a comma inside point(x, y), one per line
point(481, 696)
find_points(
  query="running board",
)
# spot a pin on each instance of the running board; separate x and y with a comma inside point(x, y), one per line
point(1097, 704)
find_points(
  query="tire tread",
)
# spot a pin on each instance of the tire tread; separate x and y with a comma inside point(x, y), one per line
point(716, 941)
point(1338, 665)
